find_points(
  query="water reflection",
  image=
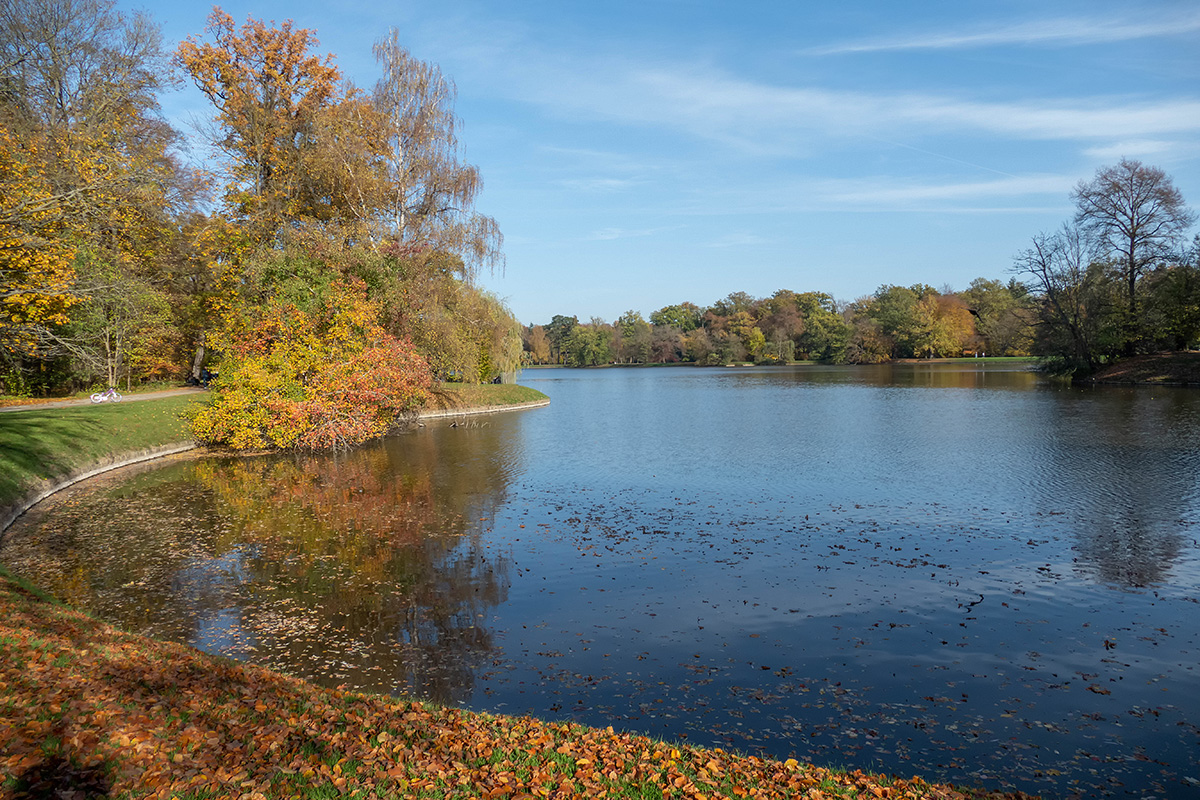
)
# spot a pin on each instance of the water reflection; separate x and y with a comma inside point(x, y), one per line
point(1123, 468)
point(368, 571)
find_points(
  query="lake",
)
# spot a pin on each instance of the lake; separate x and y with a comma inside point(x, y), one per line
point(960, 570)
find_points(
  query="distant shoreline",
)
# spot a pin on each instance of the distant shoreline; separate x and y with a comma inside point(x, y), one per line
point(959, 359)
point(1180, 369)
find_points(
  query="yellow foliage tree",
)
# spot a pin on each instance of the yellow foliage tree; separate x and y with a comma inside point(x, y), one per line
point(36, 272)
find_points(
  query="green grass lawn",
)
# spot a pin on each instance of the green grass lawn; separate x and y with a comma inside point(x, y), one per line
point(471, 395)
point(51, 443)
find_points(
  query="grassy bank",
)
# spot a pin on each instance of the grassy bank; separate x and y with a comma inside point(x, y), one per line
point(93, 710)
point(466, 395)
point(51, 443)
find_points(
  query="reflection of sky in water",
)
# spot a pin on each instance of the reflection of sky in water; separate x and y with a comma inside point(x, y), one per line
point(218, 631)
point(207, 589)
point(958, 571)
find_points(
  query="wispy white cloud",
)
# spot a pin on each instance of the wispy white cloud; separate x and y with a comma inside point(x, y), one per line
point(599, 184)
point(894, 194)
point(1057, 31)
point(609, 234)
point(782, 116)
point(793, 196)
point(1133, 149)
point(758, 117)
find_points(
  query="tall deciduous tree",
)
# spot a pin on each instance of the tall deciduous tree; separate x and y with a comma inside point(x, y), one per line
point(537, 344)
point(1003, 314)
point(633, 337)
point(36, 269)
point(269, 90)
point(123, 321)
point(1080, 323)
point(87, 158)
point(1136, 216)
point(430, 193)
point(684, 316)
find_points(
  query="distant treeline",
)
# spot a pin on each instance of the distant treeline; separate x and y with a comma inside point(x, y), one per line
point(1117, 280)
point(896, 322)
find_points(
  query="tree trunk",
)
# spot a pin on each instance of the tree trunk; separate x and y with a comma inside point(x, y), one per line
point(198, 360)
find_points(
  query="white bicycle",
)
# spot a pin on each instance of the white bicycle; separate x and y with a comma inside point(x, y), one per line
point(109, 394)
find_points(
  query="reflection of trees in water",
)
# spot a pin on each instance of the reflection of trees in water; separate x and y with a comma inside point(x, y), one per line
point(367, 569)
point(110, 546)
point(1125, 465)
point(1129, 551)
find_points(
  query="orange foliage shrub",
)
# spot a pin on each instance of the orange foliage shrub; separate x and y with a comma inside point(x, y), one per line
point(327, 377)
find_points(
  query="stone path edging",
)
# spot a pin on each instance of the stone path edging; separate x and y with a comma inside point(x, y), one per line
point(49, 487)
point(476, 410)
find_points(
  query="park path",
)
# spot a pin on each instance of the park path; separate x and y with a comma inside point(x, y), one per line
point(126, 398)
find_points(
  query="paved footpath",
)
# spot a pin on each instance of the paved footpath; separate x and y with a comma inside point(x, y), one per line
point(125, 398)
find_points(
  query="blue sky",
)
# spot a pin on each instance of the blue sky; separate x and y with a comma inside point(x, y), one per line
point(638, 154)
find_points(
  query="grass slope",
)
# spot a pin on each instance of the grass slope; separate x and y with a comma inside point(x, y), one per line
point(486, 395)
point(90, 710)
point(51, 443)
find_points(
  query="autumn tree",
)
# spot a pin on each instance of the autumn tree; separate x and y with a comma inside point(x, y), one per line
point(310, 368)
point(558, 331)
point(36, 259)
point(537, 344)
point(948, 326)
point(698, 346)
point(684, 316)
point(268, 90)
point(1172, 305)
point(633, 337)
point(825, 330)
point(866, 341)
point(1004, 315)
point(589, 345)
point(1135, 215)
point(666, 344)
point(782, 324)
point(83, 84)
point(122, 324)
point(896, 310)
point(87, 159)
point(429, 192)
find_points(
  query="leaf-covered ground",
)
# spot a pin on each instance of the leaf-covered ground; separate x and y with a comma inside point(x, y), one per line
point(89, 711)
point(1165, 368)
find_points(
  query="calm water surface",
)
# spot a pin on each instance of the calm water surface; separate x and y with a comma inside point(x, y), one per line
point(955, 570)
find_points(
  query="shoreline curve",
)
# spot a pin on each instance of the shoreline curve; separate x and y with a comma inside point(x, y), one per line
point(46, 488)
